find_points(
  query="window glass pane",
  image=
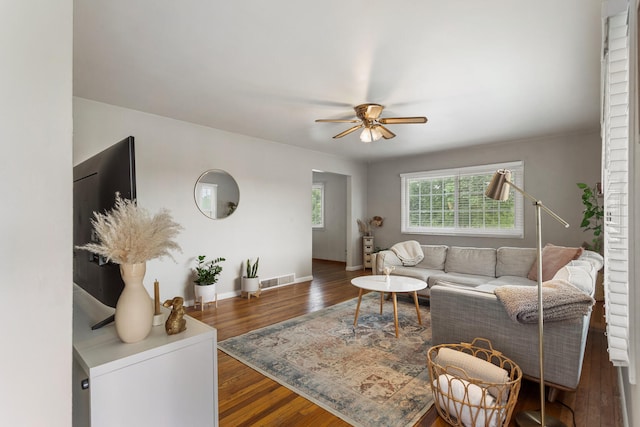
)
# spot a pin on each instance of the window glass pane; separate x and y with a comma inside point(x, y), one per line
point(453, 202)
point(317, 205)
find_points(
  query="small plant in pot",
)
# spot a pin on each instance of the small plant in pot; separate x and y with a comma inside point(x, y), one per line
point(207, 273)
point(250, 281)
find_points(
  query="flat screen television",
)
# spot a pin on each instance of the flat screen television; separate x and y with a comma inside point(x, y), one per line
point(95, 183)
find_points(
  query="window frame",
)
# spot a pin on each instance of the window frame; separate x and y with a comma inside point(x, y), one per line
point(517, 168)
point(206, 190)
point(321, 225)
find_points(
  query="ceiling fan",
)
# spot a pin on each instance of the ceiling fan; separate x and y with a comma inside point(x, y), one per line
point(372, 124)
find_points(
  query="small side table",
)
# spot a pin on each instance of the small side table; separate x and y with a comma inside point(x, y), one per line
point(395, 284)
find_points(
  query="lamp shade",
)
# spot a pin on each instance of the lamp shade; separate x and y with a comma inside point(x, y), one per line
point(498, 188)
point(370, 133)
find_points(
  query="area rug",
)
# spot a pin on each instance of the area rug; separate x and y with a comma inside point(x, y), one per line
point(363, 375)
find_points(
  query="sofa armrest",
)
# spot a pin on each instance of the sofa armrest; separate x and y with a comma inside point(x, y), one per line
point(460, 315)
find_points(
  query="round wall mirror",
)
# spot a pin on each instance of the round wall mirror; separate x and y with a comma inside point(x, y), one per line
point(217, 194)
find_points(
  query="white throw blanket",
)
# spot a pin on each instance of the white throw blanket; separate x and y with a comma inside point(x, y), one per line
point(409, 252)
point(560, 301)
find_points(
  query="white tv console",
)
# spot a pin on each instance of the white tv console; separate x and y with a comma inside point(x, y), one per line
point(163, 380)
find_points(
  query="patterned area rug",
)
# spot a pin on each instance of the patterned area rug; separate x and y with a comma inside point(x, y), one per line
point(364, 375)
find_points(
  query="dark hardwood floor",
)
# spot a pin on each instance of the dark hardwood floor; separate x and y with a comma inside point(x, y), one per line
point(248, 398)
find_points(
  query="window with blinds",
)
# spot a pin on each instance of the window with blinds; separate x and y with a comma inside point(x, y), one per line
point(615, 167)
point(452, 202)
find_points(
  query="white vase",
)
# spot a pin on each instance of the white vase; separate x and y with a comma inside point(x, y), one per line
point(134, 310)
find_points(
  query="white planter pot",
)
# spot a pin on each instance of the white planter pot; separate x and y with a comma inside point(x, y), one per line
point(250, 284)
point(207, 293)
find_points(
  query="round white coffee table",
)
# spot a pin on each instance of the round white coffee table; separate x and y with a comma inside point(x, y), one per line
point(395, 284)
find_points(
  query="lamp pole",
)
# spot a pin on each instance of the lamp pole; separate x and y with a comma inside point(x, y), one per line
point(495, 191)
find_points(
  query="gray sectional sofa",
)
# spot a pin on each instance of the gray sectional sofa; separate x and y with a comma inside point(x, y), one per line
point(461, 283)
point(466, 266)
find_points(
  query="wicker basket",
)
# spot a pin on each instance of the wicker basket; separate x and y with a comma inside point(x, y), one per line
point(465, 401)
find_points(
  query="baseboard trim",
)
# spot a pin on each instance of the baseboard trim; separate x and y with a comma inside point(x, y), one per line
point(354, 268)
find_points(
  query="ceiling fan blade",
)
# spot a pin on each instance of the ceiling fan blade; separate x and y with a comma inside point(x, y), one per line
point(401, 120)
point(386, 133)
point(348, 131)
point(337, 121)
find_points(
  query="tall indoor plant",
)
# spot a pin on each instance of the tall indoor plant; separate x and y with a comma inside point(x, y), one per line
point(592, 217)
point(128, 235)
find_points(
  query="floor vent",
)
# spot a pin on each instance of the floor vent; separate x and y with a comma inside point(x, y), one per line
point(278, 281)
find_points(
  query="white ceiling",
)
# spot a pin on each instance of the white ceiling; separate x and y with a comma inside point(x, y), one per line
point(481, 71)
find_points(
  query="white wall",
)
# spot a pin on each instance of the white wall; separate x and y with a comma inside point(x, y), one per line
point(553, 166)
point(273, 218)
point(35, 218)
point(329, 242)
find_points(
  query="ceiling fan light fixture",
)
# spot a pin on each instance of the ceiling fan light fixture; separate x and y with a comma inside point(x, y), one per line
point(370, 134)
point(372, 125)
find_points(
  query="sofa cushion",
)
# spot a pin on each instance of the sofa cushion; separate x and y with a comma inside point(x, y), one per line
point(514, 261)
point(586, 266)
point(512, 280)
point(553, 259)
point(465, 280)
point(487, 288)
point(434, 257)
point(594, 258)
point(478, 261)
point(415, 272)
point(578, 277)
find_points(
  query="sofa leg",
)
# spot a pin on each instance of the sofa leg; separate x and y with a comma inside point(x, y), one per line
point(552, 395)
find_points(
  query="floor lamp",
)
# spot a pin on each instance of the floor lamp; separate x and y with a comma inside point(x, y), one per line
point(498, 189)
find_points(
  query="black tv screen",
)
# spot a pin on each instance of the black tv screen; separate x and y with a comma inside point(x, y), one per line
point(95, 183)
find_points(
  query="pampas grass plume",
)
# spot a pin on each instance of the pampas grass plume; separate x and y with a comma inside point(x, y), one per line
point(128, 234)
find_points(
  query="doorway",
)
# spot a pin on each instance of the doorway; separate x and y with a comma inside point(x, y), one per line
point(329, 241)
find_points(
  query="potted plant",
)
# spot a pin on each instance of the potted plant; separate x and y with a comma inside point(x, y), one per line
point(206, 276)
point(592, 218)
point(250, 281)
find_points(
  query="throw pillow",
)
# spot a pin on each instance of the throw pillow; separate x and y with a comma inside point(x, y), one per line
point(553, 259)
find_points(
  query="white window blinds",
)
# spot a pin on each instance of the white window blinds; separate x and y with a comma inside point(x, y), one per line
point(615, 159)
